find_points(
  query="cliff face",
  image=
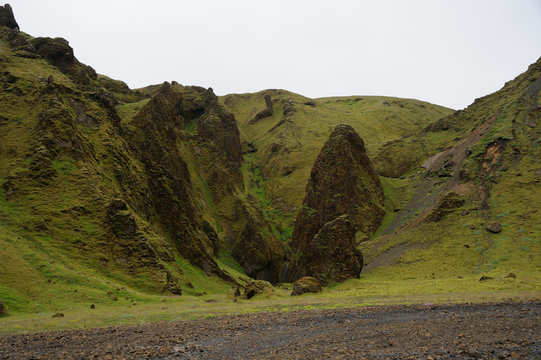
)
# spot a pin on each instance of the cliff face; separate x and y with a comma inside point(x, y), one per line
point(140, 184)
point(261, 254)
point(342, 182)
point(7, 18)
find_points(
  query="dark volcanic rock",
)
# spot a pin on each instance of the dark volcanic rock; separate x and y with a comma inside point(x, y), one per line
point(59, 53)
point(457, 331)
point(342, 181)
point(57, 50)
point(218, 127)
point(7, 18)
point(169, 179)
point(494, 227)
point(256, 249)
point(332, 252)
point(306, 284)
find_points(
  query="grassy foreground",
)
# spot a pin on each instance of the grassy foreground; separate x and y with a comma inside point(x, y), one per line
point(371, 289)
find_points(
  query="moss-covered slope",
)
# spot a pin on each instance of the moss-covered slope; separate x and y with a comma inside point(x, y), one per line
point(104, 187)
point(283, 133)
point(472, 204)
point(109, 194)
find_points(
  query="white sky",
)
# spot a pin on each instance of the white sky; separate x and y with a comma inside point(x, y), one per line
point(445, 52)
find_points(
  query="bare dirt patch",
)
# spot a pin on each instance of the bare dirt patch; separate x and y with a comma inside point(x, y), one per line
point(485, 331)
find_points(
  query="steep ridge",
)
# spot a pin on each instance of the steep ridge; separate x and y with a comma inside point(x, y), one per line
point(475, 185)
point(141, 188)
point(343, 196)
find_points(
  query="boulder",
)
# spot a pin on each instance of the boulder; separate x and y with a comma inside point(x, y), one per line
point(494, 228)
point(306, 284)
point(255, 287)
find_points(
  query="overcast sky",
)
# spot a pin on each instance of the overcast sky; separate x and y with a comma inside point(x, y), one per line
point(445, 52)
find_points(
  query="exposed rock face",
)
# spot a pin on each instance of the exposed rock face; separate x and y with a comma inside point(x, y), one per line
point(7, 18)
point(218, 129)
point(306, 284)
point(332, 252)
point(256, 249)
point(57, 50)
point(342, 181)
point(59, 53)
point(159, 146)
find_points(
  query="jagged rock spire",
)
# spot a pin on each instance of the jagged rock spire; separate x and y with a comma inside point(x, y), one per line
point(7, 18)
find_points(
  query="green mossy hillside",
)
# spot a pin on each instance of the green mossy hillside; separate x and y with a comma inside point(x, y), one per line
point(119, 197)
point(284, 143)
point(472, 206)
point(108, 188)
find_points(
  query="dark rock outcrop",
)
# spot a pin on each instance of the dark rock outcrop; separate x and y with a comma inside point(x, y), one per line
point(7, 18)
point(170, 189)
point(268, 111)
point(256, 249)
point(59, 53)
point(446, 205)
point(217, 128)
point(332, 253)
point(306, 284)
point(131, 244)
point(342, 181)
point(255, 287)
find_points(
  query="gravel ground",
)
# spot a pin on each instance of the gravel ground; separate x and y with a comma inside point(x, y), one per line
point(465, 331)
